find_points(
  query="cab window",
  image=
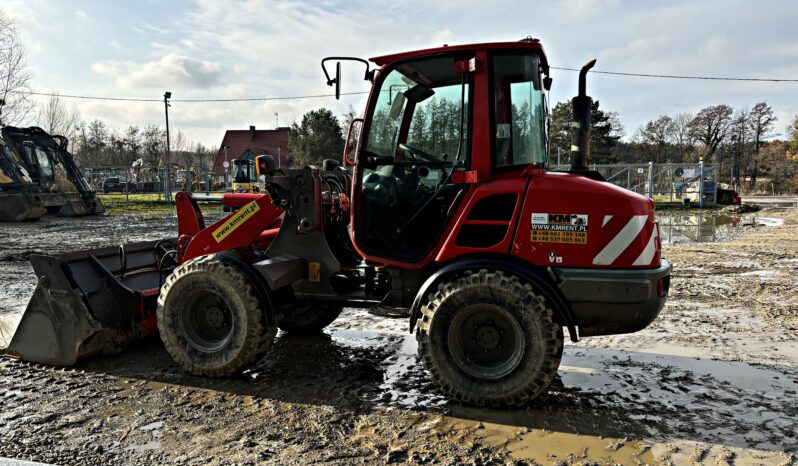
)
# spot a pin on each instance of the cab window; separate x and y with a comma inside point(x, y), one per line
point(519, 132)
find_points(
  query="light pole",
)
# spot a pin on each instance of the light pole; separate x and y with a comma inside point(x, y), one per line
point(168, 190)
point(226, 166)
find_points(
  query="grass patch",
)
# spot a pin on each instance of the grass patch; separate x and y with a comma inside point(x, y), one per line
point(147, 203)
point(136, 197)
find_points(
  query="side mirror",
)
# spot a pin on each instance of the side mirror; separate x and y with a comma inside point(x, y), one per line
point(368, 76)
point(337, 80)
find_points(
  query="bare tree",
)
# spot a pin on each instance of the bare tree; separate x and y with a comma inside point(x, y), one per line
point(179, 146)
point(680, 134)
point(656, 136)
point(55, 118)
point(15, 103)
point(761, 123)
point(740, 135)
point(710, 128)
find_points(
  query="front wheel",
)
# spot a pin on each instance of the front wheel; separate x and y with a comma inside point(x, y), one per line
point(487, 338)
point(211, 319)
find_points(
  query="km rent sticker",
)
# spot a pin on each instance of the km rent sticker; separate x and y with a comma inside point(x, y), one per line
point(559, 228)
point(244, 214)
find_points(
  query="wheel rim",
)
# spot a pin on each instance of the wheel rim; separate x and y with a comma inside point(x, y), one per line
point(206, 320)
point(486, 341)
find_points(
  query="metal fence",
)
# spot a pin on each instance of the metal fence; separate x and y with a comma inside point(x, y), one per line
point(149, 180)
point(666, 183)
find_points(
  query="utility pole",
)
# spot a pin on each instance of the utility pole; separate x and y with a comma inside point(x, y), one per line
point(168, 189)
point(226, 166)
point(276, 120)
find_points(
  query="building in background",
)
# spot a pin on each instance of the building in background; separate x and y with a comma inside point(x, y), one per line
point(250, 143)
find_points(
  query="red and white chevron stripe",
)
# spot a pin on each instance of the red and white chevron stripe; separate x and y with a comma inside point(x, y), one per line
point(629, 241)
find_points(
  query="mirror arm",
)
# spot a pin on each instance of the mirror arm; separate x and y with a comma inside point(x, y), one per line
point(369, 76)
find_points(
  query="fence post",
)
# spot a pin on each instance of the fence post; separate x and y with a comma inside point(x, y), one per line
point(651, 180)
point(701, 183)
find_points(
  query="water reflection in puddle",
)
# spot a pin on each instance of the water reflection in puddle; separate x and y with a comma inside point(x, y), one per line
point(708, 228)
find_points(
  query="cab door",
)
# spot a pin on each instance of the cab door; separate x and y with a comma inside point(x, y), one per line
point(417, 136)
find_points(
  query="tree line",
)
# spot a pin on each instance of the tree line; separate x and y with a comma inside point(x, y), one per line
point(740, 142)
point(94, 143)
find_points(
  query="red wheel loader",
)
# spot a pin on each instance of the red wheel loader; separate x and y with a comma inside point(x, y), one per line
point(445, 210)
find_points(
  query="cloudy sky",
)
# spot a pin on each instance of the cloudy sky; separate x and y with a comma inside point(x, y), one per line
point(224, 49)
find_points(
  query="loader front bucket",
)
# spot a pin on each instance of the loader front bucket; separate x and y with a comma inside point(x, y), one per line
point(91, 302)
point(20, 207)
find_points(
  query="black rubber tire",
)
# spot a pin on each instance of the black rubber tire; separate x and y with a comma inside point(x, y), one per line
point(537, 356)
point(250, 335)
point(308, 319)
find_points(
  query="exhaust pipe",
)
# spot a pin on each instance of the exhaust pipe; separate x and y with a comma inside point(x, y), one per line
point(582, 106)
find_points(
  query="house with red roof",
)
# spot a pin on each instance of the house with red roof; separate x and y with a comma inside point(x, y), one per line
point(248, 144)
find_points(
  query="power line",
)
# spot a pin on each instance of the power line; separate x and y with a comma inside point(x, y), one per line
point(134, 99)
point(318, 96)
point(673, 76)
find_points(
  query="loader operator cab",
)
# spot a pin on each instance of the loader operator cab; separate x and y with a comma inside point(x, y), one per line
point(417, 136)
point(39, 163)
point(420, 115)
point(244, 176)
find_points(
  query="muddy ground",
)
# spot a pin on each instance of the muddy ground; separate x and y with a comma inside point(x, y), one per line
point(712, 381)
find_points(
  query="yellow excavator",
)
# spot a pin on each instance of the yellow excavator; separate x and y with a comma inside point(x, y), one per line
point(246, 173)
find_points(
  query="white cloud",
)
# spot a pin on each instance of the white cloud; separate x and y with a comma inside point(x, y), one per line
point(273, 48)
point(585, 8)
point(170, 70)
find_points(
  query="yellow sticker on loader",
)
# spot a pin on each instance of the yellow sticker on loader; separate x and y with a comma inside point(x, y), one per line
point(244, 213)
point(314, 272)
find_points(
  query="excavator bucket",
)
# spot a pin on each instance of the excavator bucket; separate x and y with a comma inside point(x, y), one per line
point(73, 205)
point(20, 207)
point(91, 302)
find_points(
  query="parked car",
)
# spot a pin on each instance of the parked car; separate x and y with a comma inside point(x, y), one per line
point(116, 184)
point(728, 196)
point(112, 184)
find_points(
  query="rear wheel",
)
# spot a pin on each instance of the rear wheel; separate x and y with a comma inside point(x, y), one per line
point(211, 319)
point(488, 338)
point(309, 318)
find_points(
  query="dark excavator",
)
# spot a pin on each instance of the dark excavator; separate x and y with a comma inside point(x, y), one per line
point(29, 187)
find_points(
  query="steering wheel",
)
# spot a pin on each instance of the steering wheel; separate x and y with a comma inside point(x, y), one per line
point(419, 153)
point(380, 190)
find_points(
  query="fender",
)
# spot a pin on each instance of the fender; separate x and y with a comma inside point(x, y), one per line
point(257, 281)
point(561, 307)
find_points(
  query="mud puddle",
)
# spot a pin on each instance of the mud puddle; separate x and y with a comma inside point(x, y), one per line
point(676, 229)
